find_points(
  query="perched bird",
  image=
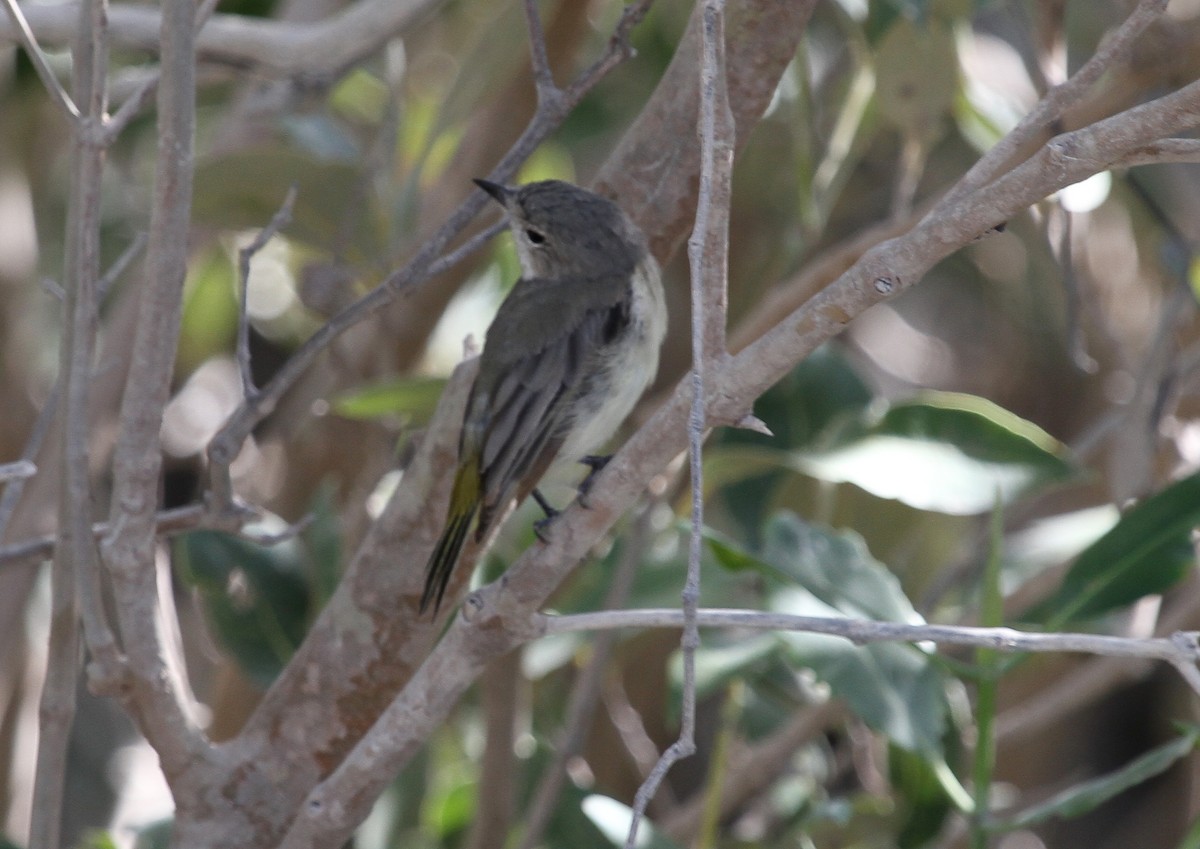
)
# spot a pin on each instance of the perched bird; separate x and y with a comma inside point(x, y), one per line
point(570, 351)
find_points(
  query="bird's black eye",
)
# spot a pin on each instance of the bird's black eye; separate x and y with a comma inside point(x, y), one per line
point(535, 237)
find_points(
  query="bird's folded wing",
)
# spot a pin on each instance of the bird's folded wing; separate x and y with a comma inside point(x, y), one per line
point(534, 362)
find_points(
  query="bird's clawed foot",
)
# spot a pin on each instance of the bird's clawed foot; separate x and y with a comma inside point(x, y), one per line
point(595, 462)
point(540, 526)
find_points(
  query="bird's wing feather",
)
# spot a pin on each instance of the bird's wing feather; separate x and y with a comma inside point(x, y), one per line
point(518, 405)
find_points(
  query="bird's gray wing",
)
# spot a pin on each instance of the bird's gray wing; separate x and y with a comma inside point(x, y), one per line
point(538, 353)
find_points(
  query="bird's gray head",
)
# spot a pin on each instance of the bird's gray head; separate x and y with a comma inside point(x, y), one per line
point(561, 229)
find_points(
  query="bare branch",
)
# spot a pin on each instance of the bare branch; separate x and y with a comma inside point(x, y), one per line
point(166, 522)
point(155, 696)
point(543, 77)
point(708, 250)
point(1181, 647)
point(273, 48)
point(74, 568)
point(1162, 152)
point(496, 790)
point(57, 93)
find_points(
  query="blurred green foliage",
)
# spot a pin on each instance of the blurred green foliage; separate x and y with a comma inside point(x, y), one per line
point(975, 398)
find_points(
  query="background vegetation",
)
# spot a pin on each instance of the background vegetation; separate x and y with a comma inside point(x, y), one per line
point(968, 453)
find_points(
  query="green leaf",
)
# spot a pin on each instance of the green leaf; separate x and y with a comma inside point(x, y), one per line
point(1089, 795)
point(944, 452)
point(836, 568)
point(819, 392)
point(413, 399)
point(717, 665)
point(894, 688)
point(256, 597)
point(926, 802)
point(1146, 552)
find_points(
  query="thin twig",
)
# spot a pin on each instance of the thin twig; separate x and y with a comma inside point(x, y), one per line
point(279, 220)
point(708, 258)
point(132, 106)
point(543, 76)
point(1181, 647)
point(14, 488)
point(118, 268)
point(75, 554)
point(754, 769)
point(57, 93)
point(167, 522)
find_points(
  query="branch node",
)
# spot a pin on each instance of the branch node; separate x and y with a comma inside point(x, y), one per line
point(884, 285)
point(753, 423)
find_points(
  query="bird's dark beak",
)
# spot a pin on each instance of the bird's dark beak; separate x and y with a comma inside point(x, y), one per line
point(499, 193)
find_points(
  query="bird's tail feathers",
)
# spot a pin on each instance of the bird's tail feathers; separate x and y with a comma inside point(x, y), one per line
point(464, 507)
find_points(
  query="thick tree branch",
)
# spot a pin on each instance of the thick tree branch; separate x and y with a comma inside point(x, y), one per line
point(274, 48)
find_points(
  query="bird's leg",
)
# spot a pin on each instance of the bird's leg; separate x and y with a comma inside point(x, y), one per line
point(595, 462)
point(539, 527)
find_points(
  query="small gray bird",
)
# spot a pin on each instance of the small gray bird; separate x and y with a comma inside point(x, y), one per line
point(570, 351)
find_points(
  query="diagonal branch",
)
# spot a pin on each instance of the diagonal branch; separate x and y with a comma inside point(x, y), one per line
point(1051, 107)
point(57, 93)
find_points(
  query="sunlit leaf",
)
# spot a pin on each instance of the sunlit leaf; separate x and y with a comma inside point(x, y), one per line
point(945, 452)
point(361, 96)
point(613, 819)
point(1146, 552)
